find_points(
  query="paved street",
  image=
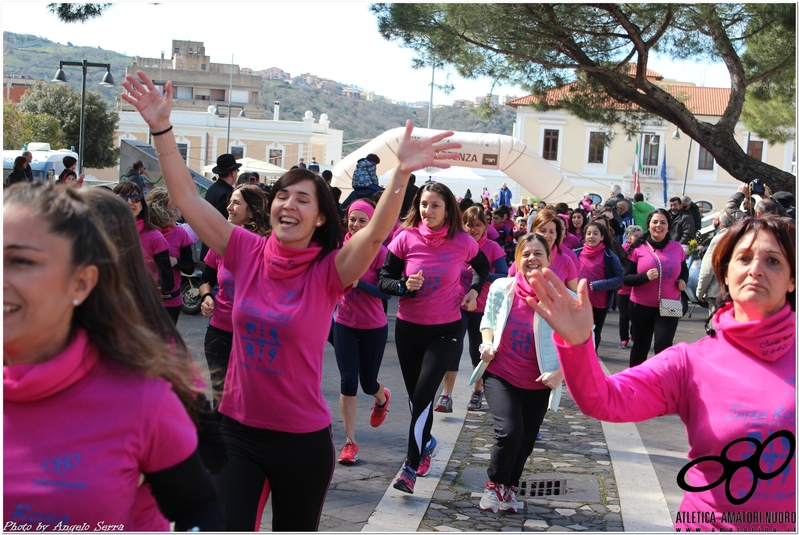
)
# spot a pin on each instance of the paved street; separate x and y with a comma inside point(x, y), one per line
point(611, 477)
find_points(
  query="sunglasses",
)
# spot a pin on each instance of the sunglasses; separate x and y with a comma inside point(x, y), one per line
point(136, 197)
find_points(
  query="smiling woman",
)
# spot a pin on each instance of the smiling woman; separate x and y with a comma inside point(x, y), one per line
point(287, 285)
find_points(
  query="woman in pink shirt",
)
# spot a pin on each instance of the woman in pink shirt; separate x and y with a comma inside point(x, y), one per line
point(153, 243)
point(563, 261)
point(655, 268)
point(360, 332)
point(577, 222)
point(93, 399)
point(164, 216)
point(277, 423)
point(735, 390)
point(600, 266)
point(423, 268)
point(246, 209)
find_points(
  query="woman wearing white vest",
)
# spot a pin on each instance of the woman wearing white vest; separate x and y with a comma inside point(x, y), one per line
point(523, 377)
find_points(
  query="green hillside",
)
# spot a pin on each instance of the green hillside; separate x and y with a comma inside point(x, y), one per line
point(38, 57)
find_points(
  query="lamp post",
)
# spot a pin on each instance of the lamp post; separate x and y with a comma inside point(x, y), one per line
point(228, 106)
point(108, 81)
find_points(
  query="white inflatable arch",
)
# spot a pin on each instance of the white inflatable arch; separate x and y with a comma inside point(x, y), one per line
point(479, 151)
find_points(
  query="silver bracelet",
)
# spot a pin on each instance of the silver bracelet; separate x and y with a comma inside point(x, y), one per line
point(485, 345)
point(159, 154)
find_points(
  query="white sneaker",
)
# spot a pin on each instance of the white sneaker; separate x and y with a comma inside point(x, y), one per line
point(492, 497)
point(509, 503)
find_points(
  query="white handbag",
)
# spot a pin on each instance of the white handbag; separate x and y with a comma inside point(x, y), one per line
point(669, 308)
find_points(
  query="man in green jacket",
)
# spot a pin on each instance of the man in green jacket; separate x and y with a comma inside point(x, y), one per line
point(641, 209)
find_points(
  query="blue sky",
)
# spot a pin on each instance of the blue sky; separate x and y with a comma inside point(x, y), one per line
point(335, 40)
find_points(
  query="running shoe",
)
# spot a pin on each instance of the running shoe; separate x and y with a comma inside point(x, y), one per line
point(429, 451)
point(378, 415)
point(407, 479)
point(349, 453)
point(476, 401)
point(444, 404)
point(623, 344)
point(492, 497)
point(509, 503)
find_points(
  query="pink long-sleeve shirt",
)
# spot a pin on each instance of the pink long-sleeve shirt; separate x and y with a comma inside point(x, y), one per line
point(738, 384)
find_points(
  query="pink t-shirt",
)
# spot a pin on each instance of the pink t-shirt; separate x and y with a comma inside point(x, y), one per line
point(564, 264)
point(625, 290)
point(152, 243)
point(741, 383)
point(358, 309)
point(223, 302)
point(437, 302)
point(671, 258)
point(493, 252)
point(75, 455)
point(280, 329)
point(593, 269)
point(177, 238)
point(516, 360)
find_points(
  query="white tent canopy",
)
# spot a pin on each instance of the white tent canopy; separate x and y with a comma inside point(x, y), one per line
point(457, 179)
point(251, 164)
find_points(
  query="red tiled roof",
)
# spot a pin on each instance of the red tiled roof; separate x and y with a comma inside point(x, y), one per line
point(700, 100)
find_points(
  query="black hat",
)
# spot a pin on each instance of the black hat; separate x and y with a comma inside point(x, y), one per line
point(225, 164)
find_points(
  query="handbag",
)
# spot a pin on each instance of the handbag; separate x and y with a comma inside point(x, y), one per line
point(668, 308)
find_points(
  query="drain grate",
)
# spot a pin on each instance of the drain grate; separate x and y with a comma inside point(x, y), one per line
point(542, 487)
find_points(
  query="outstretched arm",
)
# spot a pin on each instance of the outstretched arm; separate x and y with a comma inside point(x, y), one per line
point(212, 228)
point(412, 155)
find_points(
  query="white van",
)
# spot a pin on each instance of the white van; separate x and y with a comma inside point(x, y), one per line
point(46, 164)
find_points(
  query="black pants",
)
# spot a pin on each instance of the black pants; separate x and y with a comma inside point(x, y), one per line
point(218, 344)
point(174, 313)
point(517, 414)
point(470, 323)
point(359, 353)
point(296, 468)
point(645, 322)
point(599, 321)
point(624, 317)
point(425, 352)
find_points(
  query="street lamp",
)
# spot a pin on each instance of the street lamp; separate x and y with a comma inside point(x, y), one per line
point(214, 110)
point(61, 78)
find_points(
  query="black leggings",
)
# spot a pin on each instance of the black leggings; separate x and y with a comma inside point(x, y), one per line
point(599, 321)
point(624, 317)
point(425, 352)
point(174, 313)
point(645, 322)
point(218, 344)
point(518, 413)
point(470, 323)
point(295, 467)
point(359, 353)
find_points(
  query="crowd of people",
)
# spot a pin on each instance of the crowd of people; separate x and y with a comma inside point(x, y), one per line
point(140, 446)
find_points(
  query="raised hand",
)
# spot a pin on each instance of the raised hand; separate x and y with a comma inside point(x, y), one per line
point(415, 154)
point(154, 107)
point(571, 318)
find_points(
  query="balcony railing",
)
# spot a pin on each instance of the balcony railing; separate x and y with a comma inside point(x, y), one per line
point(650, 170)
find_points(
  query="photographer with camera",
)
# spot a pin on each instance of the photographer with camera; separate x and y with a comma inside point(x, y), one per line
point(741, 205)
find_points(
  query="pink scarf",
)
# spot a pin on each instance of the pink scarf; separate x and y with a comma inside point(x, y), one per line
point(768, 339)
point(31, 382)
point(140, 225)
point(284, 262)
point(522, 287)
point(592, 252)
point(432, 238)
point(482, 240)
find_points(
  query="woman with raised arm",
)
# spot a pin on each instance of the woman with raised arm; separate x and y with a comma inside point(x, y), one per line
point(277, 423)
point(423, 267)
point(246, 209)
point(94, 400)
point(735, 390)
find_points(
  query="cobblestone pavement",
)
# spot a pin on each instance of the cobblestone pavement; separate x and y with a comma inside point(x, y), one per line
point(572, 457)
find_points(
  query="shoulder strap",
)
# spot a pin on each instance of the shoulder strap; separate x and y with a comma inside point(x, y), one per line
point(660, 268)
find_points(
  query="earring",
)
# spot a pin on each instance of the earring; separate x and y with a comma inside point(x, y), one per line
point(75, 302)
point(318, 223)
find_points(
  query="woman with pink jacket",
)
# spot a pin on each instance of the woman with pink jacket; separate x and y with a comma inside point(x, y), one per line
point(735, 390)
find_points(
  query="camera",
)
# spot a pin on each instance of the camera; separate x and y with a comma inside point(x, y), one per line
point(757, 187)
